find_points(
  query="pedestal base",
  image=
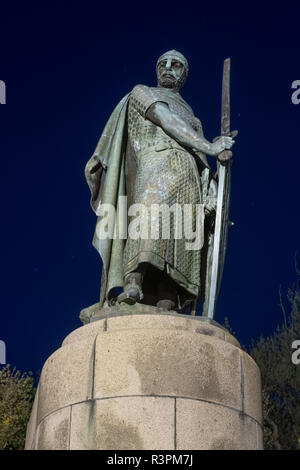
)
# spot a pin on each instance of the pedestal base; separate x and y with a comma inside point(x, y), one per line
point(147, 379)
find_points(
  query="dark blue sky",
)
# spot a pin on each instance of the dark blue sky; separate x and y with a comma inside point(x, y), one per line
point(66, 66)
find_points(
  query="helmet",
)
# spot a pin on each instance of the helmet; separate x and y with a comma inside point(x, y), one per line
point(174, 55)
point(177, 56)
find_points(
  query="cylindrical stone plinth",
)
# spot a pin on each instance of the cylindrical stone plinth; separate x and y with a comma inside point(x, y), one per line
point(147, 380)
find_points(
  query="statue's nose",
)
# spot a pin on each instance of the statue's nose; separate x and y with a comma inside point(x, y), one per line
point(168, 64)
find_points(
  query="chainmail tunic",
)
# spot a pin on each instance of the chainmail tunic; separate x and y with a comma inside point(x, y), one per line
point(165, 173)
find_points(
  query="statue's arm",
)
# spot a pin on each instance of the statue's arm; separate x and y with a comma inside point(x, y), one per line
point(180, 130)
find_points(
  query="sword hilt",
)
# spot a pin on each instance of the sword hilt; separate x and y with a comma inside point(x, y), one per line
point(231, 134)
point(224, 156)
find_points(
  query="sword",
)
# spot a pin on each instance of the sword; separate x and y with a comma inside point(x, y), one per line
point(222, 212)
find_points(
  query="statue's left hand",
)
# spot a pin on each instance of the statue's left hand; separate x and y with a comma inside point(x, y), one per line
point(223, 143)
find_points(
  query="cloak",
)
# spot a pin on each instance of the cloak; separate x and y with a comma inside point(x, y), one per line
point(105, 175)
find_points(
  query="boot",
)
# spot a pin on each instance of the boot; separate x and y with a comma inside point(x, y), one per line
point(166, 304)
point(133, 289)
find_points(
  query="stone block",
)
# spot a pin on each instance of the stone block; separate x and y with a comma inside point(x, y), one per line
point(32, 423)
point(67, 377)
point(53, 432)
point(89, 331)
point(167, 362)
point(207, 426)
point(251, 388)
point(128, 423)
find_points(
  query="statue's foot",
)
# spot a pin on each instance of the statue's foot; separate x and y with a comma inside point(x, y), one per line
point(133, 289)
point(130, 297)
point(166, 304)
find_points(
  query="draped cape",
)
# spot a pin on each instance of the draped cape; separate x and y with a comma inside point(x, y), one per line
point(105, 175)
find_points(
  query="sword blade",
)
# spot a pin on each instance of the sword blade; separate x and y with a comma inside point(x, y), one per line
point(225, 112)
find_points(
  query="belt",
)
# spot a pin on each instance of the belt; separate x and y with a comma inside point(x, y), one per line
point(160, 146)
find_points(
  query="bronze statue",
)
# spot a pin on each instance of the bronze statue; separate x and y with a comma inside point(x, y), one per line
point(153, 152)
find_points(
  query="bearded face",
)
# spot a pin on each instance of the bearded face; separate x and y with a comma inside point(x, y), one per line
point(171, 73)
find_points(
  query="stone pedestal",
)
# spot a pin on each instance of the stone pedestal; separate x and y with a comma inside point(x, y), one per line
point(142, 378)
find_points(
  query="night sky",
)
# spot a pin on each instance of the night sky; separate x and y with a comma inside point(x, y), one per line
point(66, 66)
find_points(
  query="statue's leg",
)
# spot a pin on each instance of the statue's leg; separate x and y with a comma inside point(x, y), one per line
point(167, 293)
point(171, 296)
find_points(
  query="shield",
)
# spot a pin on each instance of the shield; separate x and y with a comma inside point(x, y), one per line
point(215, 270)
